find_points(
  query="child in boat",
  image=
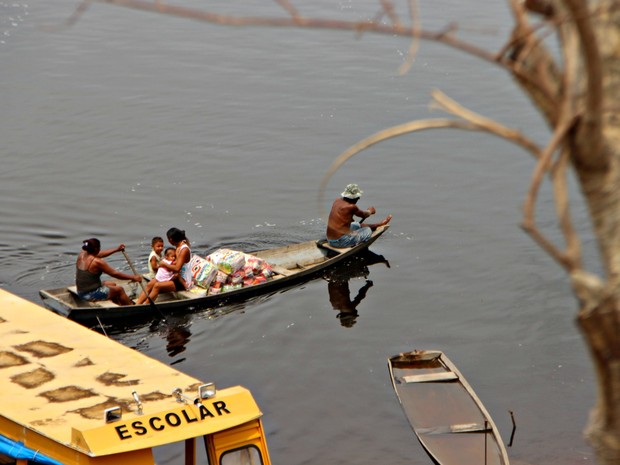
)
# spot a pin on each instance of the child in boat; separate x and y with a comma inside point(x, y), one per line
point(162, 275)
point(157, 247)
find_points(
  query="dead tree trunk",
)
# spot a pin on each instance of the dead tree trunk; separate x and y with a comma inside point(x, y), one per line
point(582, 92)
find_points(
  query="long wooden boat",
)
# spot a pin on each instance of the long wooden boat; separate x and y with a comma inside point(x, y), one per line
point(70, 396)
point(449, 420)
point(291, 264)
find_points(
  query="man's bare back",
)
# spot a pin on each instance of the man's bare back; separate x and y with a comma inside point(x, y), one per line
point(342, 215)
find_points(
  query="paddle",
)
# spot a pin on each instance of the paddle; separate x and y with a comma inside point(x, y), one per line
point(133, 270)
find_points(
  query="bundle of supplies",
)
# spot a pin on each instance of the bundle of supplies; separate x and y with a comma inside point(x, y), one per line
point(225, 270)
point(227, 261)
point(203, 271)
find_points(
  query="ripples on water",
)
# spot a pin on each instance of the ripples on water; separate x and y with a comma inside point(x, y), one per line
point(129, 123)
point(12, 15)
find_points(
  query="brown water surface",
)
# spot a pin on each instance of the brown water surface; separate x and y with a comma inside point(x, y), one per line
point(129, 123)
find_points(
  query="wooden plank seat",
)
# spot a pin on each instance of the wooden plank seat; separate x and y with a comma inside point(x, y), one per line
point(179, 295)
point(195, 293)
point(431, 377)
point(281, 270)
point(98, 303)
point(459, 428)
point(325, 245)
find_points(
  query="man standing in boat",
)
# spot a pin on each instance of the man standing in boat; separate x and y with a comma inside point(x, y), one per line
point(342, 230)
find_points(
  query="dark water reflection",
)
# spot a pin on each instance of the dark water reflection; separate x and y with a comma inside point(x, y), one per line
point(128, 123)
point(175, 328)
point(339, 289)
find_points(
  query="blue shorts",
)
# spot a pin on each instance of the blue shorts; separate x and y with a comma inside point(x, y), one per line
point(101, 293)
point(357, 235)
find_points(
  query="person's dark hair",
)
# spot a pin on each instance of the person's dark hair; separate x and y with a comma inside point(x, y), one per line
point(176, 235)
point(168, 249)
point(155, 240)
point(91, 246)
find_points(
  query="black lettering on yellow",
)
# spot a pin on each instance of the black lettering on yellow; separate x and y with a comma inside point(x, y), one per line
point(139, 429)
point(152, 423)
point(220, 407)
point(173, 419)
point(187, 417)
point(204, 413)
point(122, 432)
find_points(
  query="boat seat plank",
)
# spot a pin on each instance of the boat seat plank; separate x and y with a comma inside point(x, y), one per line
point(196, 293)
point(325, 245)
point(73, 290)
point(281, 270)
point(105, 303)
point(98, 303)
point(460, 428)
point(431, 377)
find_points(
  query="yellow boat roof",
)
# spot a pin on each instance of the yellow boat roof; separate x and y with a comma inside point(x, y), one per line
point(58, 378)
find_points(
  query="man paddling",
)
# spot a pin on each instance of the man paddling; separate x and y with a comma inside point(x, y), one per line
point(342, 230)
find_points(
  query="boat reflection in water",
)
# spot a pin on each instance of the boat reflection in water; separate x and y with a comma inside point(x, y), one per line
point(177, 335)
point(338, 286)
point(176, 328)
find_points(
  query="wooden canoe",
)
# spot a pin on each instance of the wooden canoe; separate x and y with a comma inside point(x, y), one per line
point(446, 415)
point(292, 264)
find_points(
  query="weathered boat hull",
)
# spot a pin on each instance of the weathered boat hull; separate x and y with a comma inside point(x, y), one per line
point(448, 418)
point(293, 264)
point(70, 396)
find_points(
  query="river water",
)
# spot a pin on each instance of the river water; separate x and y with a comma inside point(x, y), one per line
point(128, 123)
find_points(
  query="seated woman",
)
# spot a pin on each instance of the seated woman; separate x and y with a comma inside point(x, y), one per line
point(163, 275)
point(182, 274)
point(90, 265)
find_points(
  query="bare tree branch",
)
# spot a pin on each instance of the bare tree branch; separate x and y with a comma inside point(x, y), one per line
point(592, 157)
point(559, 178)
point(77, 14)
point(289, 8)
point(543, 7)
point(566, 121)
point(529, 224)
point(380, 136)
point(445, 36)
point(415, 41)
point(559, 170)
point(450, 106)
point(532, 64)
point(388, 7)
point(481, 124)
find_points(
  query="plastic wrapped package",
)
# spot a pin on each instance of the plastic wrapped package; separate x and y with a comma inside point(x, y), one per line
point(206, 275)
point(254, 263)
point(203, 271)
point(226, 260)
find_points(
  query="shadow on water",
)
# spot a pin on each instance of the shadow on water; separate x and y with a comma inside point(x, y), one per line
point(175, 328)
point(177, 334)
point(339, 290)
